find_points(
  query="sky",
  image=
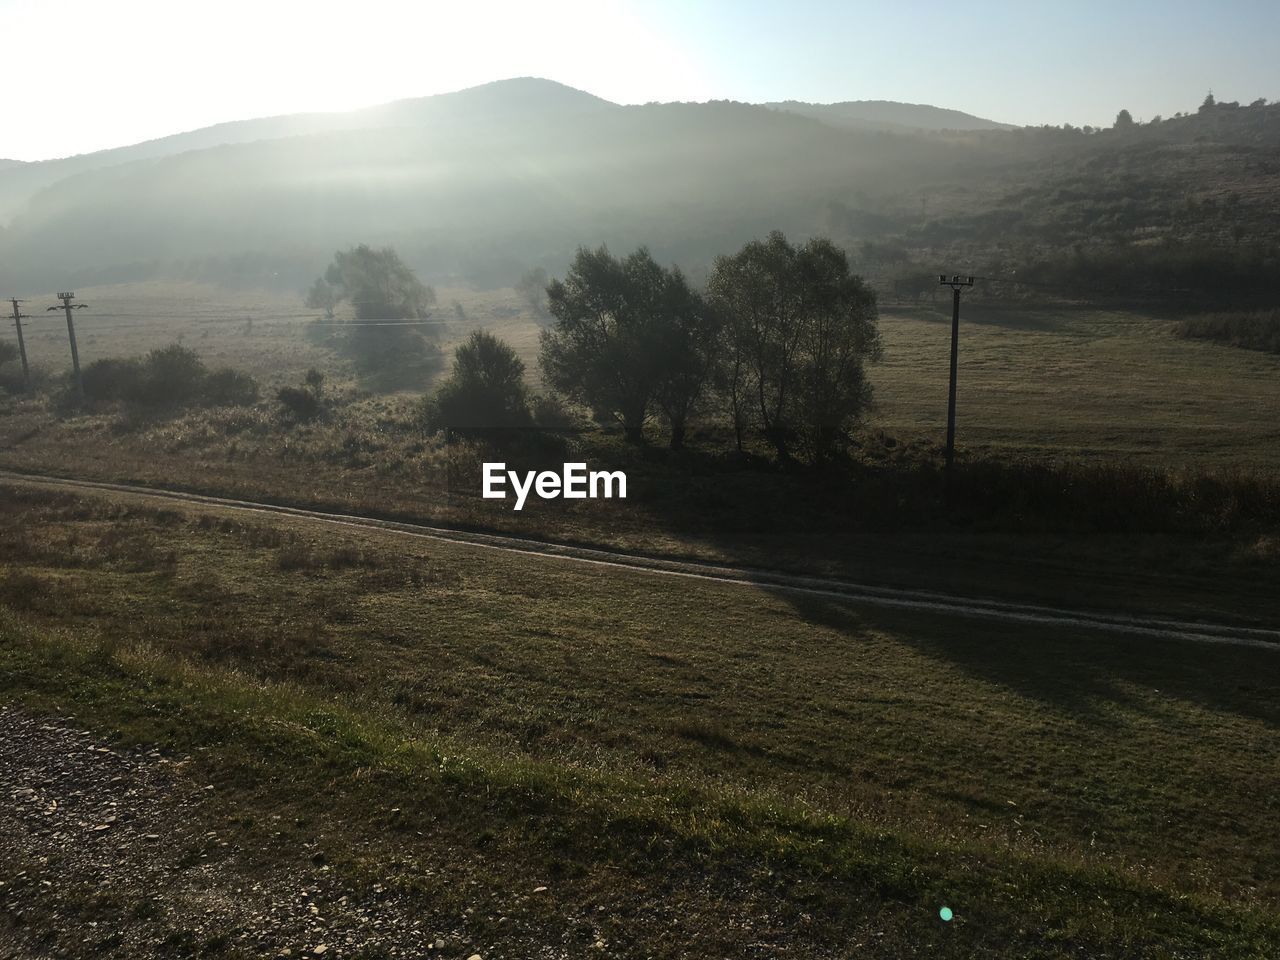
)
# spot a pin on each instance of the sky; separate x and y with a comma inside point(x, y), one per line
point(82, 75)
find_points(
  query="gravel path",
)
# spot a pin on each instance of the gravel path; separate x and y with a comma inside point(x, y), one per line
point(107, 853)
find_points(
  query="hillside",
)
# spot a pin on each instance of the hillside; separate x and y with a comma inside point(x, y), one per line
point(478, 186)
point(497, 102)
point(888, 115)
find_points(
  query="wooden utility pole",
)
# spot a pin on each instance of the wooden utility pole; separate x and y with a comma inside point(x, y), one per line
point(18, 317)
point(956, 284)
point(68, 306)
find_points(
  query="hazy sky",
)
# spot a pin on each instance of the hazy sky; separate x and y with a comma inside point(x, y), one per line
point(85, 74)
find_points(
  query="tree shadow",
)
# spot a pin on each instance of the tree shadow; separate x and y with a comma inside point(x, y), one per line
point(1077, 671)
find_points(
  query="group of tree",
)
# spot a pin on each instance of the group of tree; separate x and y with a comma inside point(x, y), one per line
point(775, 347)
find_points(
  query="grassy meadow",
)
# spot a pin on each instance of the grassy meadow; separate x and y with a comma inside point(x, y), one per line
point(1144, 464)
point(825, 781)
point(1071, 382)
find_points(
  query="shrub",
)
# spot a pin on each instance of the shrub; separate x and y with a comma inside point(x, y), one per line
point(300, 404)
point(172, 376)
point(112, 380)
point(11, 380)
point(230, 388)
point(485, 392)
point(167, 378)
point(551, 413)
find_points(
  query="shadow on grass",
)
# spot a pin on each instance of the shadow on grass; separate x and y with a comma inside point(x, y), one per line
point(1079, 672)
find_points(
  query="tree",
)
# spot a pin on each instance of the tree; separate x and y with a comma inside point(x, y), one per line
point(8, 352)
point(732, 374)
point(485, 391)
point(799, 329)
point(1209, 103)
point(386, 297)
point(757, 290)
point(604, 349)
point(322, 296)
point(840, 335)
point(378, 284)
point(1124, 121)
point(533, 287)
point(685, 341)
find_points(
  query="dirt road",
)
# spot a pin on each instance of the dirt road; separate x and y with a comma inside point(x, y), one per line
point(856, 593)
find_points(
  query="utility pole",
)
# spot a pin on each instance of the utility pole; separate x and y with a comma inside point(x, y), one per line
point(956, 284)
point(18, 317)
point(68, 306)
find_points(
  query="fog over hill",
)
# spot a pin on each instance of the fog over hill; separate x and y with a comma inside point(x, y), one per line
point(479, 185)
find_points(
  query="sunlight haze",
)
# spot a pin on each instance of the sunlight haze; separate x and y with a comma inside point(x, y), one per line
point(91, 75)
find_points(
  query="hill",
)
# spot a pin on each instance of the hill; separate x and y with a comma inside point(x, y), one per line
point(479, 185)
point(498, 102)
point(888, 115)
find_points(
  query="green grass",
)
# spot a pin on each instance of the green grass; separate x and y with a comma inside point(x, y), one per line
point(685, 753)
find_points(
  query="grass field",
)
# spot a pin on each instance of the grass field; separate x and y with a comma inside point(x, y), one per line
point(1064, 382)
point(1107, 391)
point(722, 770)
point(1081, 384)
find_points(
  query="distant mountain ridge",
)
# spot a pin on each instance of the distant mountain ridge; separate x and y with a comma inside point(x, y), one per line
point(479, 185)
point(888, 115)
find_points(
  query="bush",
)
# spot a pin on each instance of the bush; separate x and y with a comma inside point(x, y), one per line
point(300, 404)
point(167, 378)
point(230, 388)
point(551, 413)
point(485, 392)
point(112, 380)
point(172, 376)
point(10, 373)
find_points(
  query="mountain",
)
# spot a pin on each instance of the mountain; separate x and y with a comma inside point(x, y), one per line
point(479, 185)
point(474, 184)
point(888, 115)
point(499, 101)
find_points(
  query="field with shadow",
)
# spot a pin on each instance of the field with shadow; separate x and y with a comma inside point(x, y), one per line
point(831, 774)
